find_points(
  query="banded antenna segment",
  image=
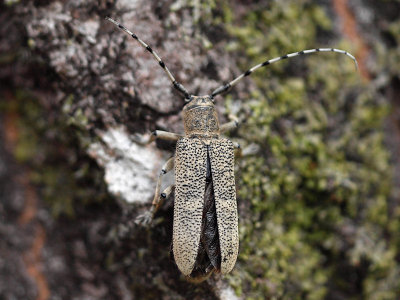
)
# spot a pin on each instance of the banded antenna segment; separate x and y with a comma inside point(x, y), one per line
point(176, 84)
point(225, 87)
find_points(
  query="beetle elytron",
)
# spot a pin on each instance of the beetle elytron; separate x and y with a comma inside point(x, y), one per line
point(205, 226)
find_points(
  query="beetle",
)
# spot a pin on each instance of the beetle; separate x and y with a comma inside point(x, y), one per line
point(205, 223)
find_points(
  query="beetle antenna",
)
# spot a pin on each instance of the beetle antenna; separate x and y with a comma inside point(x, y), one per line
point(225, 87)
point(176, 84)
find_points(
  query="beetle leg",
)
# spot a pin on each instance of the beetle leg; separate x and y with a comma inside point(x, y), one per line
point(238, 150)
point(164, 135)
point(167, 192)
point(251, 149)
point(158, 134)
point(168, 166)
point(147, 217)
point(234, 123)
point(163, 196)
point(160, 199)
point(236, 145)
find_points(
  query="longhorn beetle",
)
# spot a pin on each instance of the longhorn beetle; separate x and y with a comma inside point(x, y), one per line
point(205, 225)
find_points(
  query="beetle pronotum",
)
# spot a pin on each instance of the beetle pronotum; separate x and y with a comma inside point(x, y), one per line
point(205, 226)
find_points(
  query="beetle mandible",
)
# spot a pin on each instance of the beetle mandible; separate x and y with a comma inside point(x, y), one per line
point(205, 224)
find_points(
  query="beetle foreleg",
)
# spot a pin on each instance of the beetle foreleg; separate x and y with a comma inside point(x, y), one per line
point(234, 123)
point(164, 135)
point(158, 134)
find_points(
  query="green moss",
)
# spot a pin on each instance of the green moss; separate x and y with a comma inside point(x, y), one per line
point(317, 194)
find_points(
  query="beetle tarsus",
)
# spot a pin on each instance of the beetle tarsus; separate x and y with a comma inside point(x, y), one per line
point(145, 219)
point(142, 139)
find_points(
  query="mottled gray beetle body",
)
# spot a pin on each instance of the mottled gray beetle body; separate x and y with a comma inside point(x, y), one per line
point(205, 230)
point(202, 141)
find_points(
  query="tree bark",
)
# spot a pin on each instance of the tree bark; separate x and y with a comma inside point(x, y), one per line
point(317, 203)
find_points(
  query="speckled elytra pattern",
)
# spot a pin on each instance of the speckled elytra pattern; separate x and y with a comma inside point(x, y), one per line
point(190, 179)
point(222, 168)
